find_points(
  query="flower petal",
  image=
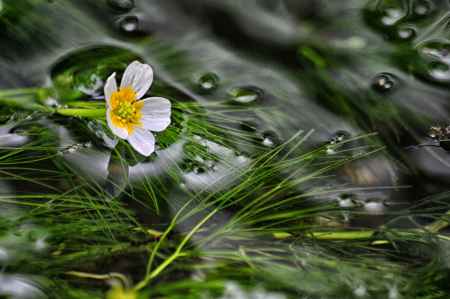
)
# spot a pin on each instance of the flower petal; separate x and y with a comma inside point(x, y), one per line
point(110, 87)
point(139, 76)
point(142, 141)
point(156, 114)
point(120, 132)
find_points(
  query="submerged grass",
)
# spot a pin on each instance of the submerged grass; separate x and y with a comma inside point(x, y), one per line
point(262, 225)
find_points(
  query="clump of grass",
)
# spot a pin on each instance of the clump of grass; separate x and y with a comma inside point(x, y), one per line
point(261, 230)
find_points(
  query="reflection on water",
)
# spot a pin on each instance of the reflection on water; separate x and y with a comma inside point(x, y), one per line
point(19, 287)
point(341, 69)
point(9, 139)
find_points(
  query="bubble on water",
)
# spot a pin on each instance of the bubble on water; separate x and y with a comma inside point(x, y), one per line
point(121, 5)
point(208, 82)
point(383, 82)
point(406, 33)
point(245, 94)
point(392, 16)
point(129, 24)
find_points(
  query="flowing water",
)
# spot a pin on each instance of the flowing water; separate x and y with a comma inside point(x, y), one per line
point(332, 69)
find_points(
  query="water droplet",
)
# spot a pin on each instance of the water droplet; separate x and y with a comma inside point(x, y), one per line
point(268, 142)
point(393, 292)
point(374, 206)
point(129, 24)
point(270, 139)
point(392, 16)
point(40, 244)
point(342, 135)
point(246, 94)
point(121, 5)
point(198, 170)
point(212, 165)
point(242, 159)
point(73, 148)
point(339, 136)
point(437, 49)
point(438, 55)
point(330, 151)
point(360, 291)
point(52, 102)
point(183, 186)
point(208, 82)
point(439, 71)
point(346, 200)
point(422, 8)
point(406, 33)
point(199, 159)
point(383, 82)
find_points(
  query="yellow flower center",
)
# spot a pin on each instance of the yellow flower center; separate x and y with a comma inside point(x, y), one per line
point(125, 109)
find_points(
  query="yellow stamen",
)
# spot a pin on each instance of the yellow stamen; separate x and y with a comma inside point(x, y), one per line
point(125, 109)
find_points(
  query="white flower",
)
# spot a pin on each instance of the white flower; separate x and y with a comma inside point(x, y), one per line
point(131, 118)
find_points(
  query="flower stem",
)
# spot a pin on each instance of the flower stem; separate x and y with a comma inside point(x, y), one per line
point(82, 112)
